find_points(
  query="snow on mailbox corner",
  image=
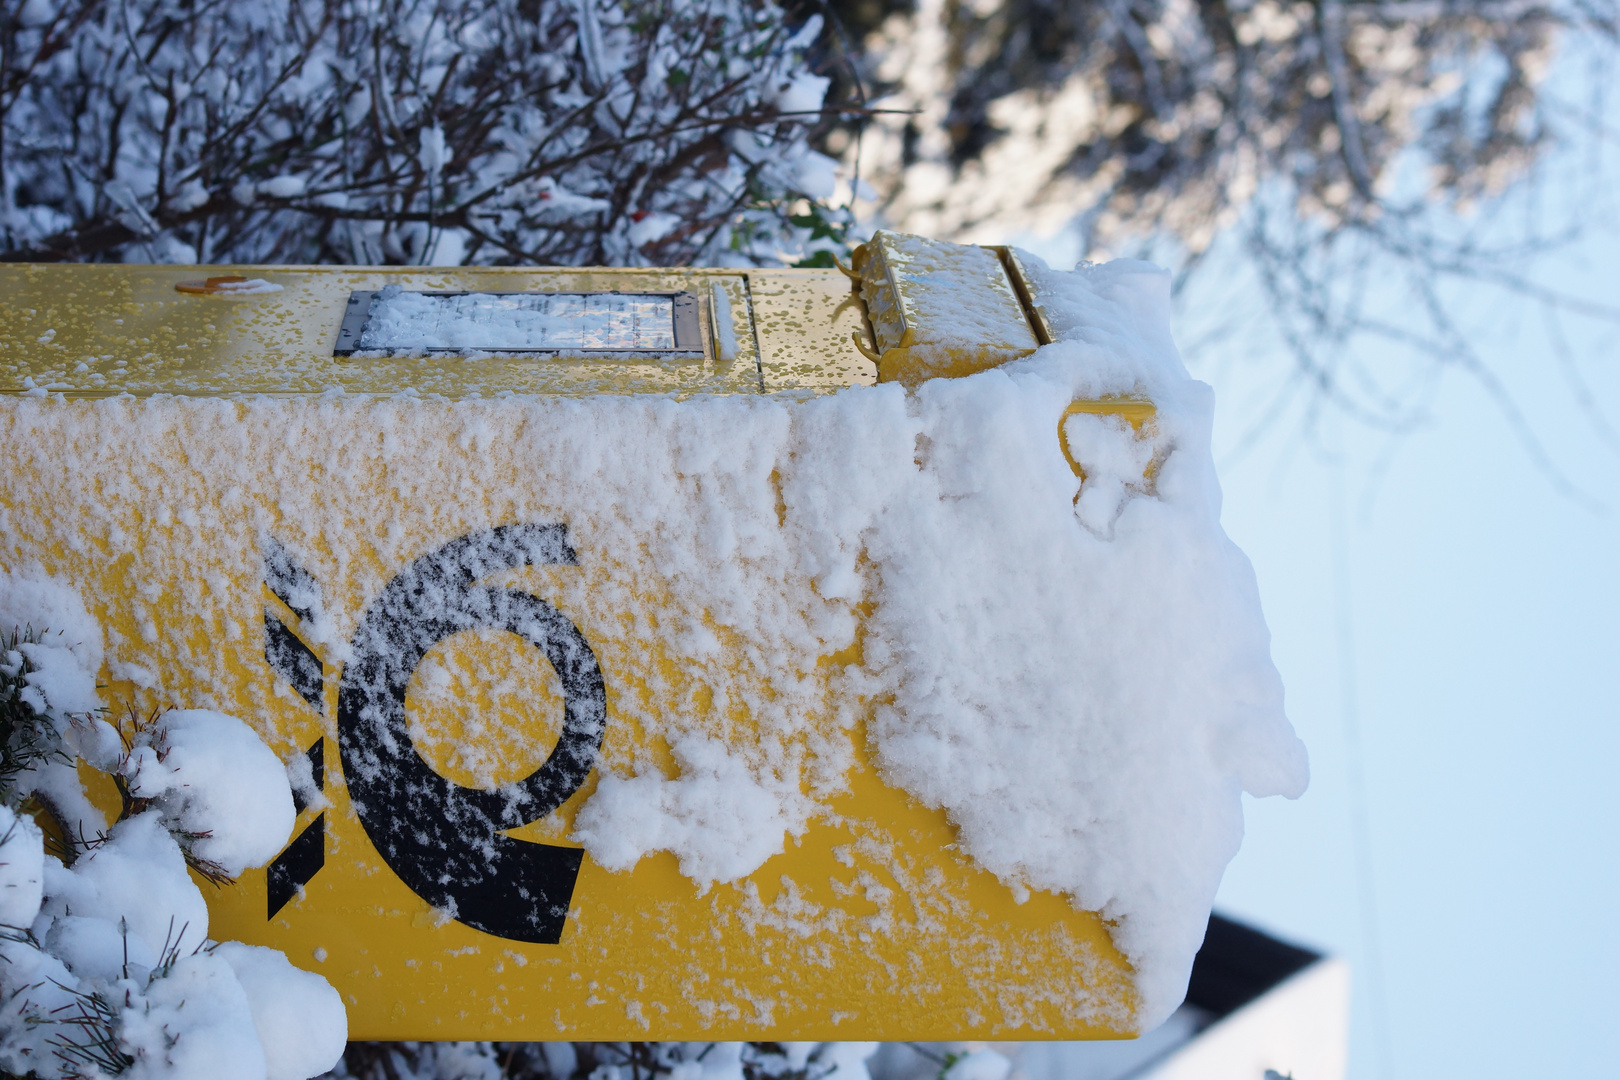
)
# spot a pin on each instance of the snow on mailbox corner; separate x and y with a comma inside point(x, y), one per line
point(1081, 671)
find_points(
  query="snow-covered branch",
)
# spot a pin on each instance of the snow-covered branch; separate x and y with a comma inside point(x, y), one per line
point(402, 131)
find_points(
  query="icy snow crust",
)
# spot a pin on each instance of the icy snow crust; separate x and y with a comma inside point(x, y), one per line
point(1085, 689)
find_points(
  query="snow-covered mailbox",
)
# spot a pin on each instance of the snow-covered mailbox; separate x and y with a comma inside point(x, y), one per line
point(648, 660)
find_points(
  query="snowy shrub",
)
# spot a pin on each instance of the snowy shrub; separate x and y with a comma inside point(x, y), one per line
point(105, 963)
point(409, 131)
point(606, 1061)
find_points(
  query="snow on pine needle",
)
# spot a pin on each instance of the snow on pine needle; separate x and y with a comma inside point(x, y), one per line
point(106, 966)
point(562, 132)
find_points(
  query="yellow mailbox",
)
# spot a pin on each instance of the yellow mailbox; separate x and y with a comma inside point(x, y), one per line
point(344, 504)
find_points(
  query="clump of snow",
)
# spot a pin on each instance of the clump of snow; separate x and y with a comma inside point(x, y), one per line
point(193, 1023)
point(1087, 713)
point(216, 781)
point(286, 187)
point(651, 226)
point(137, 878)
point(716, 817)
point(96, 948)
point(1077, 671)
point(1117, 459)
point(22, 869)
point(847, 1060)
point(68, 653)
point(555, 201)
point(299, 1017)
point(804, 93)
point(105, 964)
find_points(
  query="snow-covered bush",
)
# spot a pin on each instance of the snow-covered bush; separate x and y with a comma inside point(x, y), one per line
point(607, 1061)
point(106, 967)
point(369, 131)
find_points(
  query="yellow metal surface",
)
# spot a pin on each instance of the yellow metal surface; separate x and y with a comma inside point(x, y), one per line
point(1135, 412)
point(870, 925)
point(98, 330)
point(939, 309)
point(1029, 297)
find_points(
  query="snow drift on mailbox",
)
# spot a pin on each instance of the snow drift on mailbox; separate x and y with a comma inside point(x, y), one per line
point(1079, 674)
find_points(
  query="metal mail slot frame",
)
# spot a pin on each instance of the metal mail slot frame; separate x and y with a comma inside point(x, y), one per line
point(688, 330)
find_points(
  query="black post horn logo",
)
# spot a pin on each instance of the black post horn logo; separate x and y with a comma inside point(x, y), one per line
point(298, 664)
point(442, 839)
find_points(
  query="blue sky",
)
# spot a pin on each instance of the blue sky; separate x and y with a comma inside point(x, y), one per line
point(1484, 617)
point(1447, 619)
